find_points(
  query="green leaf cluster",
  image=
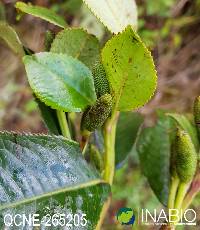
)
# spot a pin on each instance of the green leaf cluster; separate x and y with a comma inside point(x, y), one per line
point(80, 88)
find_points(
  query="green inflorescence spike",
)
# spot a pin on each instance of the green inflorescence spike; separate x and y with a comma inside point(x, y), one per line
point(186, 156)
point(100, 81)
point(95, 116)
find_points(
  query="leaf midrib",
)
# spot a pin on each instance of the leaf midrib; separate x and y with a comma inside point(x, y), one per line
point(67, 189)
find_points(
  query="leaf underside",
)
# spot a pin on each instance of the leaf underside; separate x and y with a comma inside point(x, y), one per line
point(8, 34)
point(47, 175)
point(130, 70)
point(116, 15)
point(41, 12)
point(78, 44)
point(60, 81)
point(127, 130)
point(153, 146)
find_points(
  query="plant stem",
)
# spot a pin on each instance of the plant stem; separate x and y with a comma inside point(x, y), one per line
point(182, 189)
point(63, 124)
point(109, 140)
point(172, 192)
point(109, 131)
point(85, 146)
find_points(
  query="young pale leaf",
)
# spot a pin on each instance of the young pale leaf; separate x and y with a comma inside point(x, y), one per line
point(130, 70)
point(185, 124)
point(60, 81)
point(127, 131)
point(41, 12)
point(153, 146)
point(116, 15)
point(78, 44)
point(47, 175)
point(8, 34)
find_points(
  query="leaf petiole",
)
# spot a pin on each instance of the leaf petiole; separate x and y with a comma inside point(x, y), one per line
point(63, 124)
point(181, 192)
point(173, 191)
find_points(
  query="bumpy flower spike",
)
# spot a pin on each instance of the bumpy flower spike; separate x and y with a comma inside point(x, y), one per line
point(100, 81)
point(186, 156)
point(95, 116)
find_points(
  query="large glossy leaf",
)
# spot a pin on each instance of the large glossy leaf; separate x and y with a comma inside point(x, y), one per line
point(185, 124)
point(8, 34)
point(153, 147)
point(116, 15)
point(47, 175)
point(78, 44)
point(130, 70)
point(41, 12)
point(60, 81)
point(127, 130)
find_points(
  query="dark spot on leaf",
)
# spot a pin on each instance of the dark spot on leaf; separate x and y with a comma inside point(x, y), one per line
point(130, 60)
point(134, 39)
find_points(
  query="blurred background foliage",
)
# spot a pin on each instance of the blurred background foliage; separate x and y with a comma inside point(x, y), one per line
point(170, 29)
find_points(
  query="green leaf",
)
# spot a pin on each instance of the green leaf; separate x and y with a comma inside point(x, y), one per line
point(60, 81)
point(48, 114)
point(130, 70)
point(153, 146)
point(116, 15)
point(50, 118)
point(127, 130)
point(185, 124)
point(78, 44)
point(8, 34)
point(41, 12)
point(47, 175)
